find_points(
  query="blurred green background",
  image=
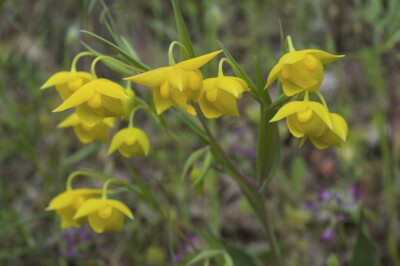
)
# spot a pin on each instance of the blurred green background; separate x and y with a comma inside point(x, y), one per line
point(316, 195)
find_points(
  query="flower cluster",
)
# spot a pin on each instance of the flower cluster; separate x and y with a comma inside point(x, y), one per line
point(301, 72)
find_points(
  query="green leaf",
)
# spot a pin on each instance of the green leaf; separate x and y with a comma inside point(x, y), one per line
point(112, 65)
point(183, 34)
point(365, 252)
point(260, 80)
point(204, 170)
point(132, 60)
point(192, 123)
point(205, 254)
point(190, 161)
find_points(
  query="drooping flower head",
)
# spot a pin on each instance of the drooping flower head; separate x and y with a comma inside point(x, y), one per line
point(176, 84)
point(301, 70)
point(304, 118)
point(104, 214)
point(220, 95)
point(130, 142)
point(67, 83)
point(86, 132)
point(95, 100)
point(67, 203)
point(332, 137)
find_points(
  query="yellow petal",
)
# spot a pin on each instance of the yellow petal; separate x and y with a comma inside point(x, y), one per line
point(178, 78)
point(321, 111)
point(289, 88)
point(121, 207)
point(83, 135)
point(318, 144)
point(294, 126)
point(226, 103)
point(288, 109)
point(340, 127)
point(70, 121)
point(112, 107)
point(78, 97)
point(230, 85)
point(292, 57)
point(90, 206)
point(88, 115)
point(142, 140)
point(273, 74)
point(209, 83)
point(208, 108)
point(68, 197)
point(301, 76)
point(119, 139)
point(197, 62)
point(59, 78)
point(113, 223)
point(195, 79)
point(323, 56)
point(152, 78)
point(109, 88)
point(161, 104)
point(67, 219)
point(64, 90)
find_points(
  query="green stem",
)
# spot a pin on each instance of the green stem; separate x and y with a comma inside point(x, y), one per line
point(306, 96)
point(278, 102)
point(120, 182)
point(132, 114)
point(76, 58)
point(170, 51)
point(249, 190)
point(83, 172)
point(104, 57)
point(221, 62)
point(322, 99)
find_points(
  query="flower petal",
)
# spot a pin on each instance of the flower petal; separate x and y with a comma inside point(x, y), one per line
point(294, 126)
point(208, 108)
point(121, 207)
point(288, 109)
point(301, 76)
point(109, 88)
point(273, 74)
point(226, 103)
point(321, 111)
point(142, 140)
point(90, 206)
point(88, 115)
point(340, 127)
point(70, 121)
point(178, 78)
point(323, 56)
point(289, 88)
point(230, 85)
point(68, 197)
point(318, 143)
point(78, 97)
point(161, 104)
point(292, 57)
point(119, 139)
point(152, 78)
point(59, 78)
point(197, 62)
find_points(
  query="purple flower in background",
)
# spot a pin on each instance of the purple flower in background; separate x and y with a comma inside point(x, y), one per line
point(239, 131)
point(311, 205)
point(83, 234)
point(71, 252)
point(355, 192)
point(341, 217)
point(69, 238)
point(326, 235)
point(177, 257)
point(324, 195)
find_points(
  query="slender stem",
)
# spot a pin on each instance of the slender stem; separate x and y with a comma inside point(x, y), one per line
point(231, 165)
point(322, 99)
point(82, 172)
point(306, 96)
point(290, 44)
point(170, 51)
point(104, 57)
point(221, 62)
point(117, 181)
point(76, 58)
point(132, 114)
point(278, 101)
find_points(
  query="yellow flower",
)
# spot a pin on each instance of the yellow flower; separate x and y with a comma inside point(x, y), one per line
point(104, 214)
point(67, 82)
point(130, 142)
point(332, 137)
point(175, 85)
point(304, 118)
point(95, 100)
point(67, 203)
point(301, 70)
point(220, 95)
point(87, 133)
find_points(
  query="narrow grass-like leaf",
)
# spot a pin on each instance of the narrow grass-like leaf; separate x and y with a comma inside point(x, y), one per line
point(132, 60)
point(129, 48)
point(192, 123)
point(204, 255)
point(183, 34)
point(190, 161)
point(91, 5)
point(112, 65)
point(204, 170)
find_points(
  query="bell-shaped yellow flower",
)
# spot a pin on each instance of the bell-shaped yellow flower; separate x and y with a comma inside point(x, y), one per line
point(87, 133)
point(67, 203)
point(301, 70)
point(304, 118)
point(67, 82)
point(95, 100)
point(130, 142)
point(220, 95)
point(175, 85)
point(332, 137)
point(104, 214)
